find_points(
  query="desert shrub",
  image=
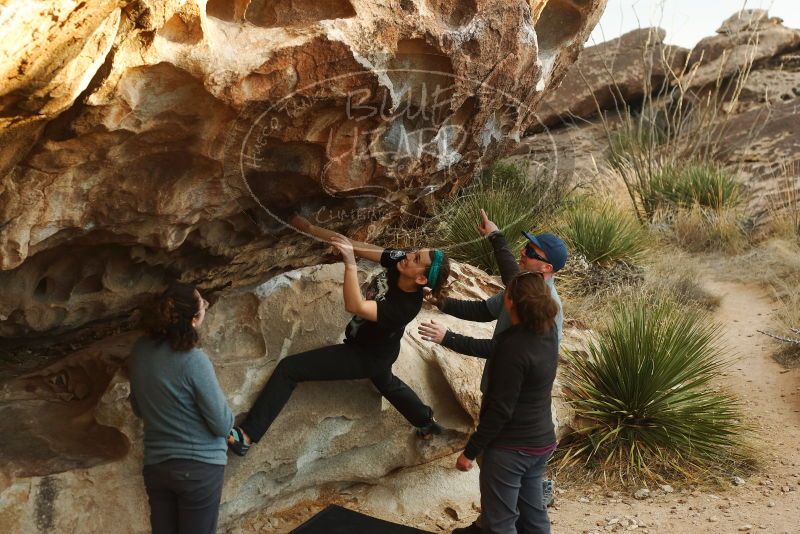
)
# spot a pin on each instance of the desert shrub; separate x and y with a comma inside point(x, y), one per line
point(693, 183)
point(786, 326)
point(634, 142)
point(512, 198)
point(651, 141)
point(697, 229)
point(646, 397)
point(603, 234)
point(682, 285)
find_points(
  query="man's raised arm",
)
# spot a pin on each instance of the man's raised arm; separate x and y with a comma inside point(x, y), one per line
point(506, 262)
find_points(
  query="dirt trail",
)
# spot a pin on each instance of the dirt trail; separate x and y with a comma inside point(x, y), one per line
point(769, 500)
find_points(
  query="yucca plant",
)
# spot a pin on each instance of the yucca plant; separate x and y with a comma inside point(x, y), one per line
point(646, 395)
point(694, 183)
point(512, 199)
point(603, 233)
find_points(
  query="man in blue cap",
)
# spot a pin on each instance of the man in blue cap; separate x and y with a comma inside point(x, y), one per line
point(544, 253)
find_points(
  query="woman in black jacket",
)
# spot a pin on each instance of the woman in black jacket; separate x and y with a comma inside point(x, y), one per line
point(516, 435)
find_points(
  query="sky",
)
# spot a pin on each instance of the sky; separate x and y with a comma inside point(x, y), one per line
point(686, 21)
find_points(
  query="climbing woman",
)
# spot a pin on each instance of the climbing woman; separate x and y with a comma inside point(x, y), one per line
point(186, 417)
point(515, 433)
point(372, 337)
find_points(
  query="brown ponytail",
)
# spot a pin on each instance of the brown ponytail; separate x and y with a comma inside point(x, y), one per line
point(170, 317)
point(531, 297)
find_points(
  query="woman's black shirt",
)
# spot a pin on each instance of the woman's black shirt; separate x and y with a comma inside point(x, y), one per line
point(396, 308)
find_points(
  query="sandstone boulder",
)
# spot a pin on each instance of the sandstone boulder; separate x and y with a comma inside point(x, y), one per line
point(141, 138)
point(761, 144)
point(69, 442)
point(612, 74)
point(745, 38)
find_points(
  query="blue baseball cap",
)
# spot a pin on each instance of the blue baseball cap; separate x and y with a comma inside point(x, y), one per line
point(554, 248)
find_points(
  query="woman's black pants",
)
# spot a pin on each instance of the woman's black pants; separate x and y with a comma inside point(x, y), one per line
point(184, 496)
point(346, 361)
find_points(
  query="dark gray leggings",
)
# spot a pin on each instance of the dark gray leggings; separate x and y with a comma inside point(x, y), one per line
point(184, 496)
point(346, 361)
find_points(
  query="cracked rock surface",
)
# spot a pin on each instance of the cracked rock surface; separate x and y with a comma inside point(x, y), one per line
point(143, 139)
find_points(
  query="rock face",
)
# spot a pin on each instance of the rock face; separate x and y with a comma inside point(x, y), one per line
point(83, 446)
point(611, 74)
point(142, 139)
point(745, 38)
point(145, 140)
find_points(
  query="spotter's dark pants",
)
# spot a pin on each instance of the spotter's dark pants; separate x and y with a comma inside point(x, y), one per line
point(184, 496)
point(511, 492)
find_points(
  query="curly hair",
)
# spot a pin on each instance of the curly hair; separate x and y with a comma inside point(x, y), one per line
point(170, 317)
point(532, 300)
point(438, 290)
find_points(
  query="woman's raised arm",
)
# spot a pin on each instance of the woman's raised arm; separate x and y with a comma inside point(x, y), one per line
point(354, 302)
point(363, 250)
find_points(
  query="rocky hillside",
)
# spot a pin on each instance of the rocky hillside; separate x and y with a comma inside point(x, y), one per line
point(751, 67)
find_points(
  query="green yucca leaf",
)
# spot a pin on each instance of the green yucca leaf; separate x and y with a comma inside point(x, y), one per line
point(692, 183)
point(645, 388)
point(511, 198)
point(604, 234)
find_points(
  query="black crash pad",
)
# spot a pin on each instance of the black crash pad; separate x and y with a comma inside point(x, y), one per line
point(337, 520)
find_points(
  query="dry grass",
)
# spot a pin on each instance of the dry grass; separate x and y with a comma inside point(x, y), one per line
point(588, 293)
point(699, 229)
point(784, 205)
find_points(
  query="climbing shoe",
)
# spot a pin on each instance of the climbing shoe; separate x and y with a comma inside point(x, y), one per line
point(431, 429)
point(237, 442)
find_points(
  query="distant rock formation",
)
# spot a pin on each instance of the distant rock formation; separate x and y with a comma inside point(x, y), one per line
point(752, 65)
point(610, 75)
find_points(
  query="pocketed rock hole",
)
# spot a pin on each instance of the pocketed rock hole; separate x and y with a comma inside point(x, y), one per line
point(47, 422)
point(558, 24)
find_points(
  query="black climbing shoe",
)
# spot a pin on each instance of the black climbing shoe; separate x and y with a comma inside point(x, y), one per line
point(431, 429)
point(236, 441)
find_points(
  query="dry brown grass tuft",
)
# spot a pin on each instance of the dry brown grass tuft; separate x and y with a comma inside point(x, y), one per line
point(699, 229)
point(784, 205)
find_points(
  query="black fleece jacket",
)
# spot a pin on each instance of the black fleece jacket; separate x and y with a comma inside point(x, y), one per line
point(516, 408)
point(482, 311)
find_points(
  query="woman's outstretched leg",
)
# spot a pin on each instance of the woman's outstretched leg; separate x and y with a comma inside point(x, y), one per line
point(335, 362)
point(403, 398)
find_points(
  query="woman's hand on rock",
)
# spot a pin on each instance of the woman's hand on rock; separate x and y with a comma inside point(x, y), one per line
point(463, 463)
point(345, 248)
point(432, 331)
